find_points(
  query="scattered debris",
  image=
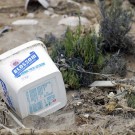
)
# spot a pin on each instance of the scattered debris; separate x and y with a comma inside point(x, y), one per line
point(25, 22)
point(103, 84)
point(106, 108)
point(5, 29)
point(111, 106)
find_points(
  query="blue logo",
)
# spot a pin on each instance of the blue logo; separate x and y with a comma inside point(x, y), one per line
point(25, 64)
point(6, 95)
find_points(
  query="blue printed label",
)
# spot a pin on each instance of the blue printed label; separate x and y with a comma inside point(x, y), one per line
point(41, 97)
point(25, 64)
point(33, 68)
point(6, 94)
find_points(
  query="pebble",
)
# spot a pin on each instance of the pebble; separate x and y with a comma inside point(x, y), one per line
point(73, 21)
point(25, 22)
point(54, 15)
point(86, 115)
point(12, 15)
point(48, 13)
point(111, 95)
point(51, 10)
point(30, 15)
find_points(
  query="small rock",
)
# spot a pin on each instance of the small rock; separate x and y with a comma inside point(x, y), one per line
point(89, 12)
point(48, 13)
point(73, 21)
point(126, 5)
point(86, 115)
point(79, 103)
point(25, 22)
point(103, 84)
point(30, 15)
point(62, 55)
point(51, 10)
point(62, 68)
point(111, 95)
point(12, 15)
point(63, 60)
point(86, 8)
point(54, 15)
point(76, 96)
point(97, 28)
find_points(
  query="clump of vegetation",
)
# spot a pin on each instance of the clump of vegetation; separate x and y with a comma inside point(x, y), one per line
point(131, 99)
point(115, 64)
point(115, 25)
point(77, 53)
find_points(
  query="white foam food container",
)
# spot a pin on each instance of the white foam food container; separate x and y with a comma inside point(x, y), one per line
point(31, 83)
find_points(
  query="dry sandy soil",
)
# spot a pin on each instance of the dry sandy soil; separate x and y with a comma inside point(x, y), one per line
point(21, 34)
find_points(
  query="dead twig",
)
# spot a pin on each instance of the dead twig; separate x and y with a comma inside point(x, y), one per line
point(83, 71)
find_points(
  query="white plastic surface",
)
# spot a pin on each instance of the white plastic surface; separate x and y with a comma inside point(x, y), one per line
point(31, 82)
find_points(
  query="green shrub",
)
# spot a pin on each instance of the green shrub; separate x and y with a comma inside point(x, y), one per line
point(115, 25)
point(76, 53)
point(131, 99)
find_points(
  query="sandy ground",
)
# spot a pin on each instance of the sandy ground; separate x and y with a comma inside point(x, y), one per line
point(21, 34)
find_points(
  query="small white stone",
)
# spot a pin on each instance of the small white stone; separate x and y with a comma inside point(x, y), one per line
point(54, 15)
point(48, 13)
point(86, 115)
point(30, 15)
point(73, 21)
point(97, 28)
point(25, 22)
point(63, 60)
point(51, 10)
point(12, 15)
point(79, 103)
point(86, 8)
point(111, 95)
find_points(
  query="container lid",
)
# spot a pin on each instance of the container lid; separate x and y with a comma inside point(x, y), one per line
point(20, 48)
